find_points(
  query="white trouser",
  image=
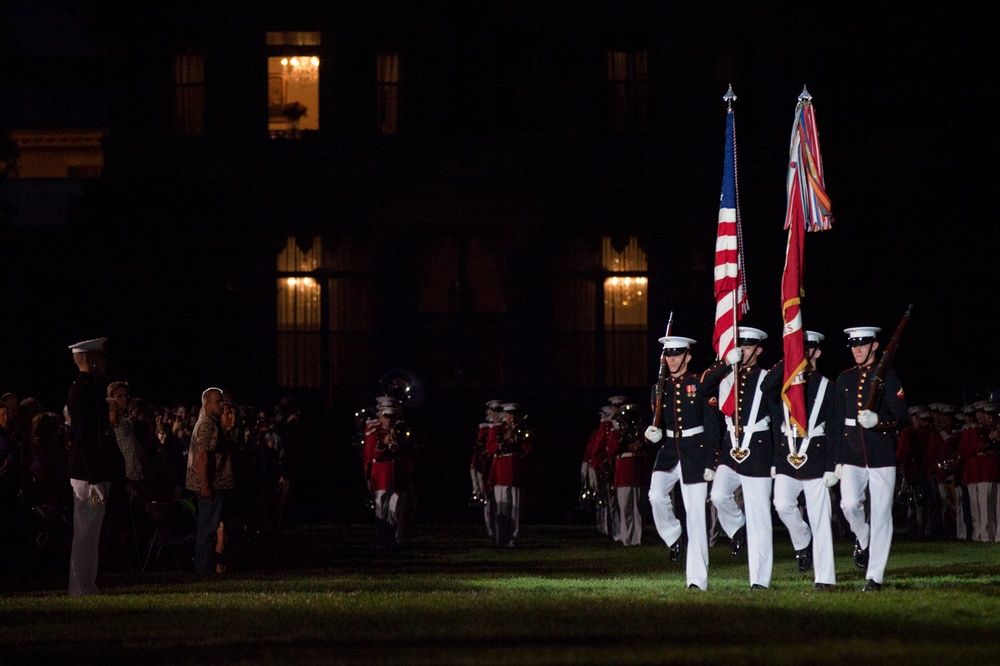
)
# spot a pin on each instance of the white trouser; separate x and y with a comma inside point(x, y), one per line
point(477, 481)
point(669, 528)
point(881, 482)
point(983, 502)
point(961, 517)
point(760, 537)
point(88, 515)
point(629, 515)
point(506, 514)
point(786, 503)
point(389, 508)
point(724, 487)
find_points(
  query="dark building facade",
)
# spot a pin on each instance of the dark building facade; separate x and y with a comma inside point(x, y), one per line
point(499, 199)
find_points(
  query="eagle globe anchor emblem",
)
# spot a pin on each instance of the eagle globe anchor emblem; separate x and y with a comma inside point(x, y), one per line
point(797, 459)
point(739, 454)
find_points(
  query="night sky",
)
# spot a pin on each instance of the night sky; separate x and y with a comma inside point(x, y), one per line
point(904, 97)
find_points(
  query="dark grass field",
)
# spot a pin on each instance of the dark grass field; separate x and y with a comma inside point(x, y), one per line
point(565, 595)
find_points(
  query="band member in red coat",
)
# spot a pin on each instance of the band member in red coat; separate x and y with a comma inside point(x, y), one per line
point(388, 464)
point(477, 466)
point(632, 468)
point(595, 471)
point(509, 445)
point(977, 454)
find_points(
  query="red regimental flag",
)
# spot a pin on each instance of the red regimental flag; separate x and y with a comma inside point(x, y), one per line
point(808, 209)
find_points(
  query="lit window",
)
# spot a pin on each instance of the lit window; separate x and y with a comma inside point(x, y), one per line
point(325, 316)
point(628, 91)
point(387, 76)
point(188, 112)
point(625, 314)
point(299, 315)
point(293, 83)
point(600, 324)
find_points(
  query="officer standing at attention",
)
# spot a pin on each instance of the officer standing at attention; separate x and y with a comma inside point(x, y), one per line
point(90, 466)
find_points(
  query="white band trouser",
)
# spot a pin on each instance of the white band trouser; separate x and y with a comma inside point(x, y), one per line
point(983, 505)
point(629, 515)
point(877, 537)
point(389, 508)
point(506, 514)
point(786, 496)
point(669, 528)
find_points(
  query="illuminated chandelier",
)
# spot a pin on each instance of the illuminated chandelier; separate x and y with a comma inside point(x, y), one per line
point(301, 69)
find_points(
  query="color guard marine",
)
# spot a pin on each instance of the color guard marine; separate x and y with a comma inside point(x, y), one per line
point(688, 450)
point(747, 453)
point(865, 451)
point(805, 464)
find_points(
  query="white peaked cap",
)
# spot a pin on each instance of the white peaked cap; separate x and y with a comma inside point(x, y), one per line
point(95, 345)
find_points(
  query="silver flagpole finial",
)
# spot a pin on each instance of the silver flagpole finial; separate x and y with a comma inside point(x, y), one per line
point(805, 96)
point(730, 96)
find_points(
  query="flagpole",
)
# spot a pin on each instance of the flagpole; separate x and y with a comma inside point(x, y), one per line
point(729, 97)
point(736, 371)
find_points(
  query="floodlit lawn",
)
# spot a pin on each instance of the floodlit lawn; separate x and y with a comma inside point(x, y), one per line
point(564, 595)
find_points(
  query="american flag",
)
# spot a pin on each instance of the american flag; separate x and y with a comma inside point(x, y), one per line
point(730, 288)
point(808, 209)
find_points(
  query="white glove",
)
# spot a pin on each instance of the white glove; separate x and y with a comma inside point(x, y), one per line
point(839, 470)
point(734, 356)
point(709, 474)
point(654, 434)
point(830, 479)
point(867, 418)
point(96, 496)
point(774, 471)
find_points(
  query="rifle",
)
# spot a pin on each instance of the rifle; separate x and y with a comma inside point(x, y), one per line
point(661, 379)
point(883, 363)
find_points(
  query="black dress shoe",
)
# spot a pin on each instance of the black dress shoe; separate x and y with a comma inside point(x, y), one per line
point(692, 586)
point(804, 558)
point(872, 586)
point(677, 550)
point(822, 586)
point(738, 542)
point(860, 556)
point(757, 586)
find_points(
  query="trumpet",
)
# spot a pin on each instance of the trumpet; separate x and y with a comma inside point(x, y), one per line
point(393, 440)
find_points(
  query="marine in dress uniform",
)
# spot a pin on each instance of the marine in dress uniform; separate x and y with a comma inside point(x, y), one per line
point(90, 467)
point(748, 452)
point(806, 465)
point(388, 469)
point(688, 451)
point(509, 446)
point(865, 451)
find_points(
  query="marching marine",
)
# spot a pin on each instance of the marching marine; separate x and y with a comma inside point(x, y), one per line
point(510, 443)
point(804, 464)
point(747, 453)
point(689, 444)
point(865, 450)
